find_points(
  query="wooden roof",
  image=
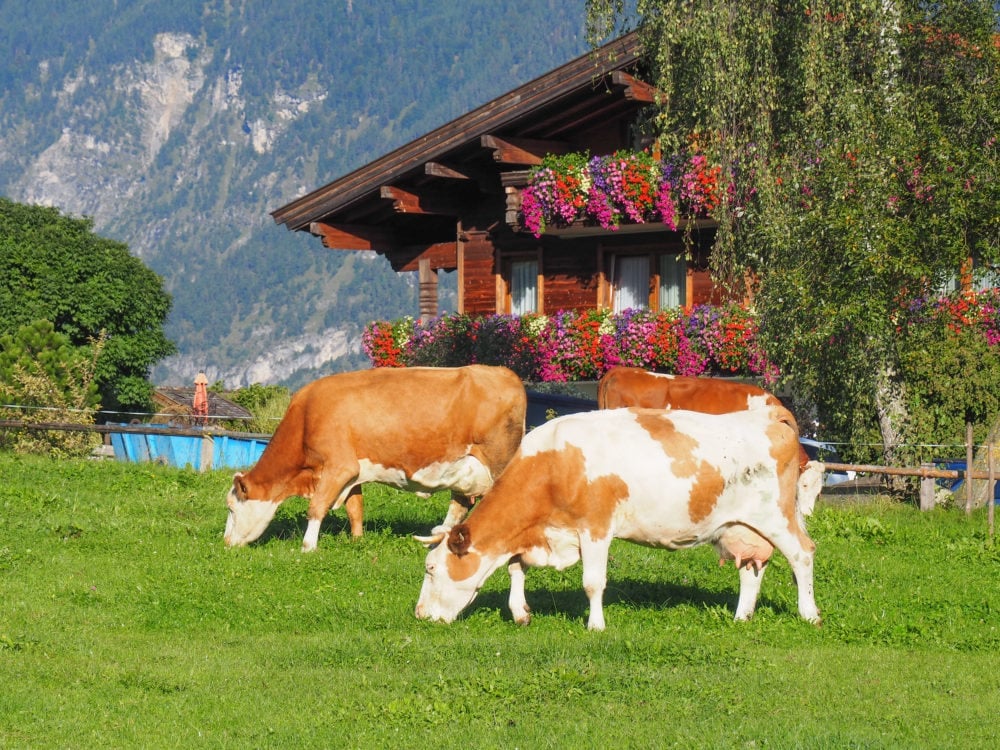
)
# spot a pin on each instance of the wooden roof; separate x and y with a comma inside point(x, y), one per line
point(180, 401)
point(412, 196)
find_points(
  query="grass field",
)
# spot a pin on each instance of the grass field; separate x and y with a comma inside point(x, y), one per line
point(124, 622)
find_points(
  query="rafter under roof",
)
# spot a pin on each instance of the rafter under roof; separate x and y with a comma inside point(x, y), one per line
point(510, 132)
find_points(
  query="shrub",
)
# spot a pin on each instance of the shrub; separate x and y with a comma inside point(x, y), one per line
point(50, 381)
point(267, 404)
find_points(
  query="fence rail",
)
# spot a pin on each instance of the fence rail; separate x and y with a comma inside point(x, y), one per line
point(922, 471)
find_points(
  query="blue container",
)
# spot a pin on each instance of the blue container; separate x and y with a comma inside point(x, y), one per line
point(237, 453)
point(228, 452)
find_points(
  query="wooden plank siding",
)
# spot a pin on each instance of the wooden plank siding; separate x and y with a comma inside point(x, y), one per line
point(479, 282)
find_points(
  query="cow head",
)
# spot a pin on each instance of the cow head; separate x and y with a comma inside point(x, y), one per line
point(247, 517)
point(454, 573)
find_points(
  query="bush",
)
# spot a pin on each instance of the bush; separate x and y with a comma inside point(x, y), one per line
point(49, 381)
point(267, 403)
point(950, 353)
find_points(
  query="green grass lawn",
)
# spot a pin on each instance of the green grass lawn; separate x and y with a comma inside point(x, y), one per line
point(125, 622)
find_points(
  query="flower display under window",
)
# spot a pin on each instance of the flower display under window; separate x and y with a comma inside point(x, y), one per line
point(623, 187)
point(569, 345)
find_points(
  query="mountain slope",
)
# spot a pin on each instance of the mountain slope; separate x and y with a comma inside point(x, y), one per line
point(180, 126)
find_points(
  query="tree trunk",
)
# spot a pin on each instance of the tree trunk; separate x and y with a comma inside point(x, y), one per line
point(890, 404)
point(981, 490)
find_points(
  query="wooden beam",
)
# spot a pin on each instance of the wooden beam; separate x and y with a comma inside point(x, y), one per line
point(445, 172)
point(440, 255)
point(635, 90)
point(424, 202)
point(485, 180)
point(514, 178)
point(527, 151)
point(428, 280)
point(353, 236)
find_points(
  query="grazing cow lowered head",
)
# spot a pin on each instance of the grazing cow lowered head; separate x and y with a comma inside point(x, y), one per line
point(663, 479)
point(423, 429)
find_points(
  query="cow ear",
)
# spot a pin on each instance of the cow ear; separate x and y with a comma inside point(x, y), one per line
point(458, 539)
point(239, 486)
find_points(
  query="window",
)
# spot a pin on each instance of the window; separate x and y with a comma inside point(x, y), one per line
point(523, 287)
point(630, 280)
point(655, 280)
point(673, 281)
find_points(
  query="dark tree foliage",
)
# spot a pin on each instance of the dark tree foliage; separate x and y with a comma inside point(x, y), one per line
point(53, 267)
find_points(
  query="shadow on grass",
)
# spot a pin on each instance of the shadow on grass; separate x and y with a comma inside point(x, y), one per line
point(292, 526)
point(635, 594)
point(571, 603)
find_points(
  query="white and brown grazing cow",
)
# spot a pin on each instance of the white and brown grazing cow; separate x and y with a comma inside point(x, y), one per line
point(671, 479)
point(423, 429)
point(633, 386)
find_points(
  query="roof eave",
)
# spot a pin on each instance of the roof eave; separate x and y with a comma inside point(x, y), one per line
point(470, 127)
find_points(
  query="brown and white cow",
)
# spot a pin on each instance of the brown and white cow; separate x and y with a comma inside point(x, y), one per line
point(666, 479)
point(633, 386)
point(423, 429)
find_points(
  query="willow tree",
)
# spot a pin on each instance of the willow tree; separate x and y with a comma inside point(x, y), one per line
point(861, 137)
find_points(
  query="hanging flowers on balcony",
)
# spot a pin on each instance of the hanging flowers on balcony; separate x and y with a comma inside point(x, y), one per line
point(626, 186)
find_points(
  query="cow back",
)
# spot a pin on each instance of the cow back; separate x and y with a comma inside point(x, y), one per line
point(405, 418)
point(633, 386)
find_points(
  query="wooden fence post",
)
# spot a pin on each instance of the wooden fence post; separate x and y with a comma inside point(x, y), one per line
point(928, 488)
point(207, 452)
point(968, 467)
point(991, 487)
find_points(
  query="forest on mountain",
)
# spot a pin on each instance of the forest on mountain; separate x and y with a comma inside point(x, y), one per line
point(178, 127)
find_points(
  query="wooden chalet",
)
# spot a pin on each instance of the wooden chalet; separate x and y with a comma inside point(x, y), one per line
point(449, 201)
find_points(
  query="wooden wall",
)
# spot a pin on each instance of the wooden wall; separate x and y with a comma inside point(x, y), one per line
point(477, 280)
point(571, 278)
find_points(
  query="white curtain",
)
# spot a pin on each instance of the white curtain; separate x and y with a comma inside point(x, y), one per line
point(523, 287)
point(631, 280)
point(673, 281)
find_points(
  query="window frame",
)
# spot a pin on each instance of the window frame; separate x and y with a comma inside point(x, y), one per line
point(654, 255)
point(506, 292)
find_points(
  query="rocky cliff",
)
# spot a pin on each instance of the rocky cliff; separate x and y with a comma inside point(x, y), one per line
point(183, 143)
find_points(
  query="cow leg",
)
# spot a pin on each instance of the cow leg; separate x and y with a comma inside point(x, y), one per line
point(355, 507)
point(311, 538)
point(594, 556)
point(327, 491)
point(750, 581)
point(803, 569)
point(798, 549)
point(458, 509)
point(517, 602)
